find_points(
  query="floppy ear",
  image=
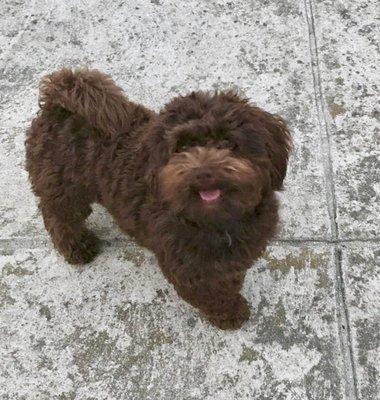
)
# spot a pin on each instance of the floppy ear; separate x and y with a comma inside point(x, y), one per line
point(279, 146)
point(277, 141)
point(271, 129)
point(154, 153)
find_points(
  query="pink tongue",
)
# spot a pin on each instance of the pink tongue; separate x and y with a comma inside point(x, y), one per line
point(210, 195)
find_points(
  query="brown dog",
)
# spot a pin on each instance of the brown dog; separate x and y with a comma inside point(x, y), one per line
point(194, 183)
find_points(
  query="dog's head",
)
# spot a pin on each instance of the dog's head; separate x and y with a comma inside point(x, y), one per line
point(213, 156)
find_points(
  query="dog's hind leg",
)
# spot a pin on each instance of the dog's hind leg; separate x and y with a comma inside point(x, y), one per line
point(65, 221)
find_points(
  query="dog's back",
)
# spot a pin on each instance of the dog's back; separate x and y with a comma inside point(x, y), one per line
point(83, 117)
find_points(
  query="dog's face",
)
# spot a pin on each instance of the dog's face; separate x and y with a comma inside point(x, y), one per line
point(218, 156)
point(209, 181)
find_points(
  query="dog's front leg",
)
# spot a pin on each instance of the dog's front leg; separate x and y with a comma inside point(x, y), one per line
point(219, 301)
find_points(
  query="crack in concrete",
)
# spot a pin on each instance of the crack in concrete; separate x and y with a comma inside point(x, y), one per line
point(340, 293)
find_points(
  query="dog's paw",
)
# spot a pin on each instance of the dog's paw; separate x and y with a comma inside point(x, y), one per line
point(84, 250)
point(234, 318)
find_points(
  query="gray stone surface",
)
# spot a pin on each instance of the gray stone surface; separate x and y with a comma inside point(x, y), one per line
point(349, 55)
point(361, 272)
point(116, 329)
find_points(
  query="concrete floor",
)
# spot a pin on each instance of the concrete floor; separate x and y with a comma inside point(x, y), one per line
point(116, 329)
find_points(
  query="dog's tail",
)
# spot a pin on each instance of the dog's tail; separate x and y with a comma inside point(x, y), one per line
point(90, 94)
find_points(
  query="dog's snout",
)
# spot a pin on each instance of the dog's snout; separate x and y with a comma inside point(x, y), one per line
point(204, 175)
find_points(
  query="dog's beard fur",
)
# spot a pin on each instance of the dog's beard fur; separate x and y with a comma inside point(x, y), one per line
point(239, 181)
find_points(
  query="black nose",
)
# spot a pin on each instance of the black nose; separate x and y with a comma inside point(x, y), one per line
point(204, 175)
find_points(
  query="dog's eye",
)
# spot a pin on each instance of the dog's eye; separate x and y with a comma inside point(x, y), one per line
point(222, 144)
point(183, 147)
point(226, 144)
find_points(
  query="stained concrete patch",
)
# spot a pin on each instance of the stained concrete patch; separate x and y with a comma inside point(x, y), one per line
point(117, 330)
point(361, 271)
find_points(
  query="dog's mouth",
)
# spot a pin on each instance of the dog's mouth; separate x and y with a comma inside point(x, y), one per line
point(210, 196)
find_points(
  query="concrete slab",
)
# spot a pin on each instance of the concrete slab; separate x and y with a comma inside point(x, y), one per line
point(261, 49)
point(117, 330)
point(348, 56)
point(362, 278)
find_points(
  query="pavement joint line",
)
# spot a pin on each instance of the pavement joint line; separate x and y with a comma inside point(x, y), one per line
point(37, 242)
point(346, 338)
point(327, 241)
point(342, 309)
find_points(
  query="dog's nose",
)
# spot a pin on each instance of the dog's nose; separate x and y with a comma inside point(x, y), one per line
point(204, 175)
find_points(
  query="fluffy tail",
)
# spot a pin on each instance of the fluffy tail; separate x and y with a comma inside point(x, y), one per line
point(90, 94)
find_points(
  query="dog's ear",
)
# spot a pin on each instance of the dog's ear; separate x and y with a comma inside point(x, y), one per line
point(270, 129)
point(154, 153)
point(278, 143)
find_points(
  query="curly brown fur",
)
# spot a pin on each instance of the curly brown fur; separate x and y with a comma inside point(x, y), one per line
point(194, 183)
